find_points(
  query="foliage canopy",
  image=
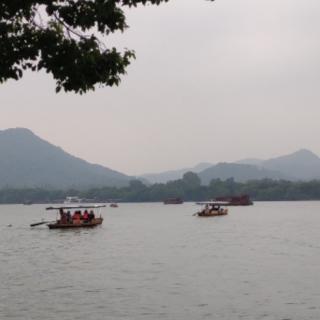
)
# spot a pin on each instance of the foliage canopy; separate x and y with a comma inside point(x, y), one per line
point(62, 37)
point(266, 190)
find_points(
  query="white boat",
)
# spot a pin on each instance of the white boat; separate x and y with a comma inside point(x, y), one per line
point(72, 199)
point(212, 209)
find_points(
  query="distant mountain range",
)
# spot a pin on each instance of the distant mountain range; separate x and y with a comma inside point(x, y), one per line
point(300, 165)
point(239, 172)
point(166, 176)
point(28, 161)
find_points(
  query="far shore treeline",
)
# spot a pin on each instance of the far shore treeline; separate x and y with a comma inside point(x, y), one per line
point(188, 188)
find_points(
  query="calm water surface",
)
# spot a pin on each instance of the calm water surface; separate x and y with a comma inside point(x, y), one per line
point(151, 261)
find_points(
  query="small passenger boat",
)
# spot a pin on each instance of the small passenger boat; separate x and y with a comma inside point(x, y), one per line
point(173, 201)
point(212, 209)
point(87, 219)
point(72, 199)
point(242, 200)
point(114, 205)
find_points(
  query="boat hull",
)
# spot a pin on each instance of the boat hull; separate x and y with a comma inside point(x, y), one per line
point(81, 224)
point(243, 200)
point(173, 201)
point(213, 213)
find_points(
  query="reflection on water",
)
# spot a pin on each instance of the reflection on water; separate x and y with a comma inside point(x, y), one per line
point(150, 261)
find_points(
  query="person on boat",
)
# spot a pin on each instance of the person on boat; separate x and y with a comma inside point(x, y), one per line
point(63, 216)
point(86, 216)
point(76, 216)
point(69, 219)
point(91, 215)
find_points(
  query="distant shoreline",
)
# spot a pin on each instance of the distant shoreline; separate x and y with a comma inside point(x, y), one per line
point(155, 202)
point(188, 189)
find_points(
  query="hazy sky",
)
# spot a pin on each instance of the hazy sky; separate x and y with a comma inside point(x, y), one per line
point(213, 81)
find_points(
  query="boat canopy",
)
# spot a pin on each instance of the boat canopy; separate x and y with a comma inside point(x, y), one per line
point(77, 207)
point(213, 203)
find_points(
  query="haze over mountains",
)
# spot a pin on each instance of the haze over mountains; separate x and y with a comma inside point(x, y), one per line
point(28, 161)
point(239, 172)
point(300, 165)
point(171, 175)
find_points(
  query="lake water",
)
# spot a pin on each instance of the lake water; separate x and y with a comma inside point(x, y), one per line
point(152, 261)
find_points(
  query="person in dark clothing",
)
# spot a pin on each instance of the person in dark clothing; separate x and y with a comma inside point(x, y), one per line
point(91, 215)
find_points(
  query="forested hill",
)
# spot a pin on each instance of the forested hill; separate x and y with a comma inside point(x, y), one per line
point(171, 175)
point(28, 161)
point(188, 188)
point(239, 172)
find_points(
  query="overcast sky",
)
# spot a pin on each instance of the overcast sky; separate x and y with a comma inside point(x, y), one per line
point(213, 81)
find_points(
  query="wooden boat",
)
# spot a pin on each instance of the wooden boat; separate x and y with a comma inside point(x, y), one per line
point(173, 201)
point(212, 209)
point(66, 221)
point(83, 224)
point(114, 205)
point(243, 200)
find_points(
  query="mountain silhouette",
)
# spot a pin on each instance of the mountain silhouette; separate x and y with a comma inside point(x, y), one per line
point(171, 175)
point(239, 172)
point(300, 165)
point(29, 161)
